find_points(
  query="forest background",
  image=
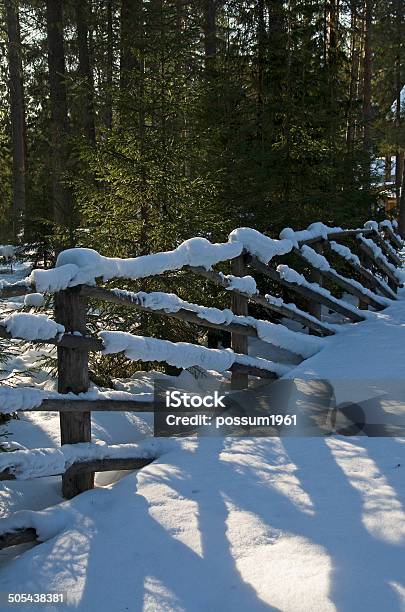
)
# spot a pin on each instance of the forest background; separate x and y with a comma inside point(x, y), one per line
point(128, 126)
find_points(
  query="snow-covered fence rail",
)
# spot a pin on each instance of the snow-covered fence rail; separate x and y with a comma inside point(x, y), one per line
point(77, 458)
point(76, 279)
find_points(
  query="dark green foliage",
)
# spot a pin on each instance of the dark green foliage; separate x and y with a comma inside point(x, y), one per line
point(255, 118)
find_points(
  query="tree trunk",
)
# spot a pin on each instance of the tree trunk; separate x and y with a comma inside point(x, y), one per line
point(18, 143)
point(398, 176)
point(367, 76)
point(399, 156)
point(109, 71)
point(130, 39)
point(354, 75)
point(401, 219)
point(210, 36)
point(261, 50)
point(62, 198)
point(85, 71)
point(387, 169)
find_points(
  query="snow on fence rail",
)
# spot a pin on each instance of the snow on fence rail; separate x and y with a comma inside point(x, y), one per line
point(40, 462)
point(74, 281)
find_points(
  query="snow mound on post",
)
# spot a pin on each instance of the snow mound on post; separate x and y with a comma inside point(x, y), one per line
point(55, 279)
point(256, 243)
point(31, 327)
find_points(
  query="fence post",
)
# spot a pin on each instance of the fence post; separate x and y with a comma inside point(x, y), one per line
point(315, 308)
point(73, 376)
point(239, 343)
point(366, 263)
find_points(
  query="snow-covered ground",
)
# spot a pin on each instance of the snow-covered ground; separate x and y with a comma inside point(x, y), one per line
point(218, 524)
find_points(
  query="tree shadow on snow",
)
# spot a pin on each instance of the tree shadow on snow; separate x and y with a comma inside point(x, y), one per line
point(160, 566)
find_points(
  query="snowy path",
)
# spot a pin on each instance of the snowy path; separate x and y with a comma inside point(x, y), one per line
point(302, 524)
point(297, 524)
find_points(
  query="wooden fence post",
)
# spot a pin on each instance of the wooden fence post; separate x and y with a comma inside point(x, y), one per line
point(315, 308)
point(366, 263)
point(239, 343)
point(73, 376)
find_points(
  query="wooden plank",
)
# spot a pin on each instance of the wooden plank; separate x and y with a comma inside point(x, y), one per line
point(346, 285)
point(91, 466)
point(380, 264)
point(19, 536)
point(239, 343)
point(15, 290)
point(315, 307)
point(388, 251)
point(392, 237)
point(107, 465)
point(83, 343)
point(182, 314)
point(244, 370)
point(307, 292)
point(372, 282)
point(336, 235)
point(60, 405)
point(7, 475)
point(73, 377)
point(283, 310)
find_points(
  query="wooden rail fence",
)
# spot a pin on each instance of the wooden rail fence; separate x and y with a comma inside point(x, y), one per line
point(372, 257)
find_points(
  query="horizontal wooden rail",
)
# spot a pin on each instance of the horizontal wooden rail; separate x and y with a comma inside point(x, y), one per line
point(88, 343)
point(393, 237)
point(387, 249)
point(368, 276)
point(81, 343)
point(107, 465)
point(307, 292)
point(335, 235)
point(15, 290)
point(72, 405)
point(345, 284)
point(253, 371)
point(283, 310)
point(19, 536)
point(189, 316)
point(93, 465)
point(380, 264)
